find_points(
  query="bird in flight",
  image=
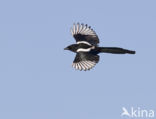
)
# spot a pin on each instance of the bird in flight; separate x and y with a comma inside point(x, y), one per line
point(87, 49)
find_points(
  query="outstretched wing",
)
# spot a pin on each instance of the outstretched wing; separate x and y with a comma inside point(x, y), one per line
point(84, 34)
point(85, 61)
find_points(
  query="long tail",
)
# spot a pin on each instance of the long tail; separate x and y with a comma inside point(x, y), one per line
point(115, 50)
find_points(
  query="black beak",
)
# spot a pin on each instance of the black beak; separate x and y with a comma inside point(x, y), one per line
point(66, 48)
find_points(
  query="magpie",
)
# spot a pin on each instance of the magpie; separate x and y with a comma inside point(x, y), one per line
point(87, 49)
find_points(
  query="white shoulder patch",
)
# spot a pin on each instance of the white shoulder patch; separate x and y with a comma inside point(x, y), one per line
point(84, 42)
point(85, 50)
point(82, 29)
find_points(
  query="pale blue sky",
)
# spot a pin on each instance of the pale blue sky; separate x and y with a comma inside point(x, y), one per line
point(36, 77)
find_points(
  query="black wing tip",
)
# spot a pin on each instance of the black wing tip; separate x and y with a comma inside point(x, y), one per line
point(75, 23)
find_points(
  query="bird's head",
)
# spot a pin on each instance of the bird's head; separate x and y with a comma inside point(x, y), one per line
point(72, 47)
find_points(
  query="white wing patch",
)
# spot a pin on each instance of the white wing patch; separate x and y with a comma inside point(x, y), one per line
point(84, 65)
point(84, 42)
point(82, 29)
point(85, 50)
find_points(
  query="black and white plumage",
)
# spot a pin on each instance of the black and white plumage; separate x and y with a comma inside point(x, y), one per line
point(86, 47)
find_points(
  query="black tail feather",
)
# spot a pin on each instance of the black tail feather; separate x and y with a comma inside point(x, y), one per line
point(115, 50)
